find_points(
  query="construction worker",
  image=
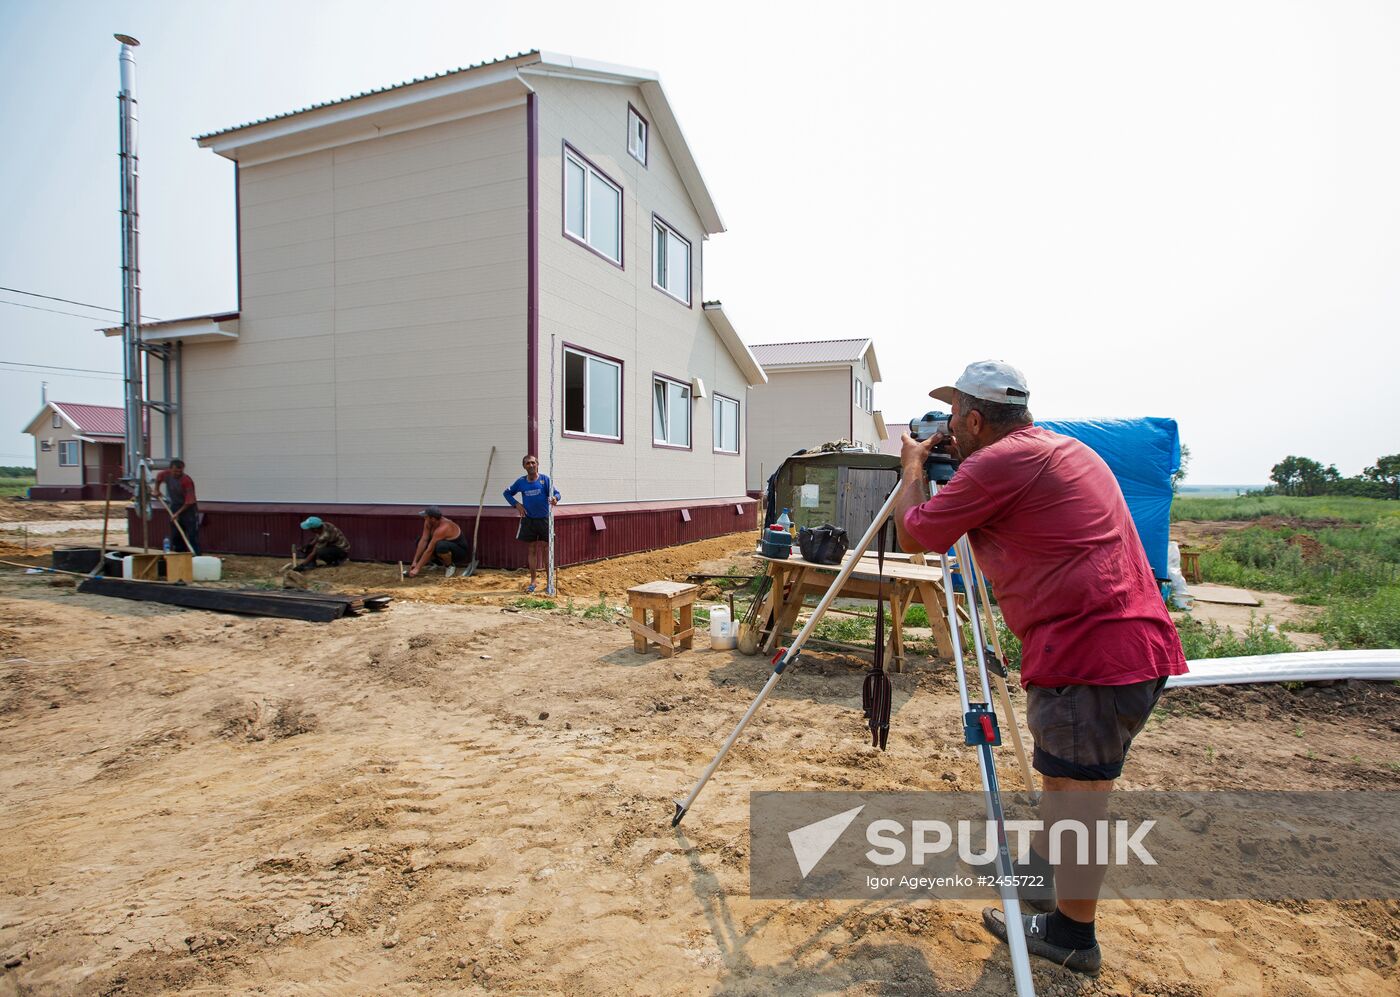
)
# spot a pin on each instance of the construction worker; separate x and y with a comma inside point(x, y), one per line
point(442, 541)
point(537, 496)
point(1049, 526)
point(329, 546)
point(184, 508)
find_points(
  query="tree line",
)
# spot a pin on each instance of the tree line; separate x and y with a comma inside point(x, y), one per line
point(1304, 476)
point(16, 472)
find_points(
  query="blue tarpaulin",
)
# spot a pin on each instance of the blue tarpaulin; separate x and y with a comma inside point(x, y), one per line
point(1143, 454)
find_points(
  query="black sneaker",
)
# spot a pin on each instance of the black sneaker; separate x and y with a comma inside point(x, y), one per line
point(1087, 961)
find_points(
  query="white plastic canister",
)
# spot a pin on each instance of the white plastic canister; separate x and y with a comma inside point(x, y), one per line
point(207, 569)
point(722, 635)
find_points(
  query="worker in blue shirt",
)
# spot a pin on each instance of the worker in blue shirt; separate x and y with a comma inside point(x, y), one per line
point(537, 494)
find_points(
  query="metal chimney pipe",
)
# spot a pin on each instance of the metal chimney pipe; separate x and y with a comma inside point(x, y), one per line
point(43, 393)
point(131, 265)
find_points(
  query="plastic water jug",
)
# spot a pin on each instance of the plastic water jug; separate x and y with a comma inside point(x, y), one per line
point(785, 521)
point(207, 569)
point(722, 635)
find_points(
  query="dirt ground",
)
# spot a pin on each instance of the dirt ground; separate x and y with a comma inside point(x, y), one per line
point(460, 796)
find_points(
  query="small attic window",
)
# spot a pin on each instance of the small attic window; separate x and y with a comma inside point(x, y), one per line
point(57, 421)
point(636, 135)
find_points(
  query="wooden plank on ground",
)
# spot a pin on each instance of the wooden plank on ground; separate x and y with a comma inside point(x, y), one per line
point(217, 600)
point(1223, 595)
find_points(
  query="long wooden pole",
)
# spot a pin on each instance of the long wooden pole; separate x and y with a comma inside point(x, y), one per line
point(1003, 691)
point(188, 546)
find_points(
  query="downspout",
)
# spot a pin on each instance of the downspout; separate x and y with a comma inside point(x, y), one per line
point(532, 279)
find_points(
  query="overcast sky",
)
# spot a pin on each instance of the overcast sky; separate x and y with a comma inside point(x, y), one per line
point(1174, 209)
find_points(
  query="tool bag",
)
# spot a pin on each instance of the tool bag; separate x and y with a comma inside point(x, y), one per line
point(825, 544)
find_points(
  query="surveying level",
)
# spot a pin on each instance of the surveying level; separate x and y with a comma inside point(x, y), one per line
point(940, 465)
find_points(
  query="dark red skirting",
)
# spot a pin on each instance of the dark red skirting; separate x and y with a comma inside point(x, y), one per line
point(70, 493)
point(390, 532)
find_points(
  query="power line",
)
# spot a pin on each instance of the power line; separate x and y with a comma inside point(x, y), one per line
point(70, 301)
point(85, 370)
point(56, 311)
point(78, 377)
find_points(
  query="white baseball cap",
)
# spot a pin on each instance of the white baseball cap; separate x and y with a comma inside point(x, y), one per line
point(990, 380)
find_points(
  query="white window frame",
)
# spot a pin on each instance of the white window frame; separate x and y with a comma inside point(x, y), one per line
point(687, 395)
point(585, 238)
point(587, 432)
point(638, 130)
point(77, 451)
point(721, 401)
point(661, 254)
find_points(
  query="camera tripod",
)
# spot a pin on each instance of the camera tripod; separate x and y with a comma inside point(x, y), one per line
point(980, 727)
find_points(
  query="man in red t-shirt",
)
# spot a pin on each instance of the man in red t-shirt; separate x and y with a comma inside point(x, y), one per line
point(1049, 527)
point(184, 506)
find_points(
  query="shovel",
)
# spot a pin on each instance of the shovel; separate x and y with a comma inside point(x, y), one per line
point(469, 569)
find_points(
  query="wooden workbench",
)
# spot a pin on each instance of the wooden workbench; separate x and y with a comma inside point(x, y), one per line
point(905, 583)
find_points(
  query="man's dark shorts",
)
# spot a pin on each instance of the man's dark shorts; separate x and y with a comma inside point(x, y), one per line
point(1084, 731)
point(458, 549)
point(533, 530)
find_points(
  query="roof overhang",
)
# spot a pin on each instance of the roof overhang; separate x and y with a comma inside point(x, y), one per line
point(880, 427)
point(415, 105)
point(449, 96)
point(197, 329)
point(748, 366)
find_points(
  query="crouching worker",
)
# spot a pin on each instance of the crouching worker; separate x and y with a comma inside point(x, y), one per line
point(329, 546)
point(441, 541)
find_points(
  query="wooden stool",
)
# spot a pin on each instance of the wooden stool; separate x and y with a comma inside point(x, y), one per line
point(662, 598)
point(1191, 566)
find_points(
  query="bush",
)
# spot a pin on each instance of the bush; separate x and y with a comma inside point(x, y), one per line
point(1371, 621)
point(1211, 640)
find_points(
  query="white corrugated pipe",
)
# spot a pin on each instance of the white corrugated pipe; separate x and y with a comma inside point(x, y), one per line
point(1298, 666)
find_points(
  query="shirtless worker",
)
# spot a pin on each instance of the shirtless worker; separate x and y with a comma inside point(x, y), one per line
point(441, 540)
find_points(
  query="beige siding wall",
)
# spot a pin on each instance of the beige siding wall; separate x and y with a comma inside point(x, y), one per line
point(381, 347)
point(47, 470)
point(588, 302)
point(796, 410)
point(863, 428)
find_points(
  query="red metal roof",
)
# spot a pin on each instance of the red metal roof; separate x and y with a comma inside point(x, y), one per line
point(96, 420)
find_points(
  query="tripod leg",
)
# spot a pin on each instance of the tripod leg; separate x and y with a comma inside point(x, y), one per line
point(1003, 692)
point(790, 655)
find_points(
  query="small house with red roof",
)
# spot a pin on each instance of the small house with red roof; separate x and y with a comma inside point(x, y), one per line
point(78, 449)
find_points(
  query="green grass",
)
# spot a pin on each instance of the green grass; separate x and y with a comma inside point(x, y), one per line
point(15, 487)
point(1211, 640)
point(1350, 568)
point(530, 602)
point(1349, 510)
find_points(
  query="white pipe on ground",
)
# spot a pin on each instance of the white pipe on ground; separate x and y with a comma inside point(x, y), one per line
point(1299, 666)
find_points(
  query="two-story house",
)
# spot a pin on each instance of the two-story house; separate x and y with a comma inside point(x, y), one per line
point(818, 391)
point(509, 254)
